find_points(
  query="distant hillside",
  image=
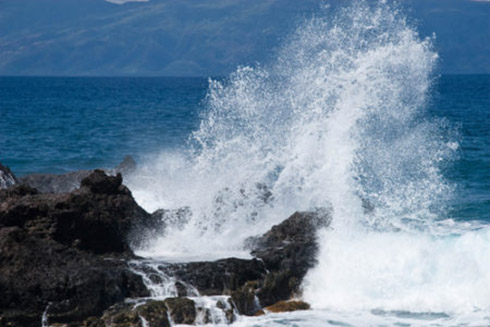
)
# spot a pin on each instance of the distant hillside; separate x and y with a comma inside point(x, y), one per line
point(197, 37)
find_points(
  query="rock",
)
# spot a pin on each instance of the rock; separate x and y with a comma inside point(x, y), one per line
point(288, 250)
point(98, 217)
point(67, 250)
point(66, 255)
point(182, 310)
point(176, 218)
point(68, 182)
point(288, 306)
point(121, 315)
point(285, 254)
point(236, 277)
point(278, 286)
point(17, 318)
point(181, 289)
point(244, 298)
point(89, 322)
point(154, 313)
point(156, 225)
point(218, 277)
point(7, 178)
point(98, 182)
point(259, 313)
point(36, 271)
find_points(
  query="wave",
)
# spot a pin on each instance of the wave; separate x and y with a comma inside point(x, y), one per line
point(337, 120)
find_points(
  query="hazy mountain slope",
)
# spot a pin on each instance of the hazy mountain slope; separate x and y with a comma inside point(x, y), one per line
point(195, 37)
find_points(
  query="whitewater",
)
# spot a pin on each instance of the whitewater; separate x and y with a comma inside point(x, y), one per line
point(336, 121)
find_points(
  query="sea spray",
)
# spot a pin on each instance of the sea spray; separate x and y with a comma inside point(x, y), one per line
point(296, 134)
point(403, 271)
point(337, 121)
point(403, 255)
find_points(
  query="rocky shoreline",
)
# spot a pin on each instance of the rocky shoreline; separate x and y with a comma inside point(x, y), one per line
point(66, 260)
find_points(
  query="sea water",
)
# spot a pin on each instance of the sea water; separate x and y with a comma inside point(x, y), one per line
point(351, 116)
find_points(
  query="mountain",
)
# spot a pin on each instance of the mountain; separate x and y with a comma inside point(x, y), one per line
point(196, 37)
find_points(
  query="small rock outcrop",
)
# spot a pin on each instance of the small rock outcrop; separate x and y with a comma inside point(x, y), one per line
point(152, 313)
point(181, 310)
point(288, 251)
point(283, 256)
point(98, 217)
point(65, 254)
point(219, 277)
point(288, 306)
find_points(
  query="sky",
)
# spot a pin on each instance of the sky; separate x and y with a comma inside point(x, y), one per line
point(200, 37)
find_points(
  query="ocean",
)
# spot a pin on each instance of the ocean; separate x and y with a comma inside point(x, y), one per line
point(61, 124)
point(343, 117)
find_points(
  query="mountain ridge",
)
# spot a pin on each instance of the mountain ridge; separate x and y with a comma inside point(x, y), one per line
point(192, 38)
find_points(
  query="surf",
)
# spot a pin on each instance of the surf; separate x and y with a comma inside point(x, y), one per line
point(337, 120)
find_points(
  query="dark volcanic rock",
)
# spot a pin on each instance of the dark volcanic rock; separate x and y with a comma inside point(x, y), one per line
point(36, 271)
point(129, 315)
point(156, 313)
point(285, 254)
point(218, 277)
point(156, 225)
point(244, 298)
point(120, 315)
point(182, 310)
point(67, 250)
point(7, 178)
point(177, 218)
point(98, 217)
point(288, 250)
point(67, 254)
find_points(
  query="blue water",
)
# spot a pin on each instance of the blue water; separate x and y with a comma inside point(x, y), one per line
point(54, 125)
point(465, 101)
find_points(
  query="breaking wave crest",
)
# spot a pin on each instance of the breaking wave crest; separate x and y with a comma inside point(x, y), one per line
point(336, 121)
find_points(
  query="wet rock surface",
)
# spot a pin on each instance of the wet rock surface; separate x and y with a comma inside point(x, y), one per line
point(288, 251)
point(288, 306)
point(67, 251)
point(98, 217)
point(217, 277)
point(68, 256)
point(153, 313)
point(283, 256)
point(181, 310)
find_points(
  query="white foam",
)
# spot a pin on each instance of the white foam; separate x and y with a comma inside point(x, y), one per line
point(415, 272)
point(337, 120)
